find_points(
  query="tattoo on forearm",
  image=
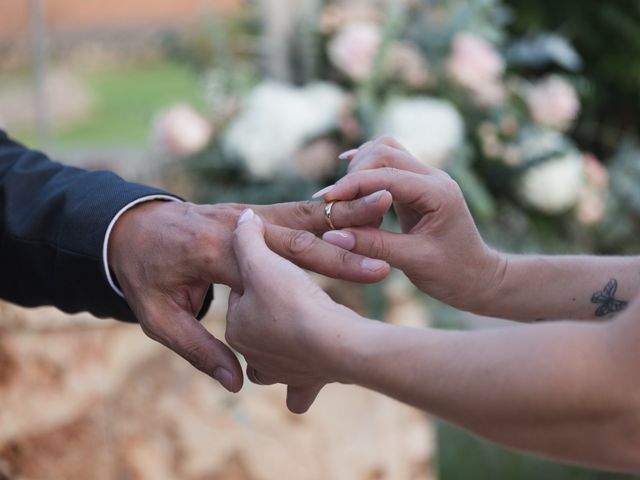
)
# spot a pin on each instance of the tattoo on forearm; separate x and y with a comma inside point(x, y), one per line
point(607, 301)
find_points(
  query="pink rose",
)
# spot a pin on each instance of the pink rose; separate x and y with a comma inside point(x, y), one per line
point(353, 50)
point(181, 131)
point(476, 65)
point(553, 103)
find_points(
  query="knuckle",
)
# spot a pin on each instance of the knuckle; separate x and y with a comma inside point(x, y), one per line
point(379, 247)
point(342, 259)
point(451, 192)
point(380, 156)
point(300, 243)
point(202, 240)
point(391, 171)
point(387, 140)
point(380, 153)
point(195, 355)
point(305, 210)
point(451, 187)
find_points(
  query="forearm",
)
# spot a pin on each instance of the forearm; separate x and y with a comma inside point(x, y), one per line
point(53, 221)
point(558, 390)
point(531, 287)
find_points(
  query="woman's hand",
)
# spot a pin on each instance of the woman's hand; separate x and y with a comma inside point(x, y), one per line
point(440, 249)
point(287, 328)
point(166, 255)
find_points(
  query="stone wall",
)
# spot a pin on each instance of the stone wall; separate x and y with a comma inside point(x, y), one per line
point(82, 398)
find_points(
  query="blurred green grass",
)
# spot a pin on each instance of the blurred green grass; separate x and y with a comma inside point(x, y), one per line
point(462, 456)
point(126, 101)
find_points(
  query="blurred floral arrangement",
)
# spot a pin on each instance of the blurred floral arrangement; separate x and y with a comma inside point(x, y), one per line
point(448, 80)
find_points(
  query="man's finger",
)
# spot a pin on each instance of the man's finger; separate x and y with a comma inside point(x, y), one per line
point(423, 193)
point(372, 242)
point(309, 252)
point(181, 332)
point(300, 399)
point(310, 215)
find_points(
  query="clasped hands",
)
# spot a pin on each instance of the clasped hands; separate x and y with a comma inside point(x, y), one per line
point(165, 256)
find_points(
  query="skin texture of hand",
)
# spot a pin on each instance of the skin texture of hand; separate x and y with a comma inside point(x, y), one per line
point(568, 391)
point(440, 248)
point(283, 322)
point(444, 255)
point(165, 256)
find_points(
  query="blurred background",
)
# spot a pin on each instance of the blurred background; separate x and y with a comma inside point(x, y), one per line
point(533, 107)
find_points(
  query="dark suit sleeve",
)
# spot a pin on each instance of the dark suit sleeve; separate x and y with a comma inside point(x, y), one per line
point(53, 219)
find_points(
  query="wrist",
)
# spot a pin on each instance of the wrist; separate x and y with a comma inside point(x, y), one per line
point(349, 346)
point(130, 230)
point(491, 279)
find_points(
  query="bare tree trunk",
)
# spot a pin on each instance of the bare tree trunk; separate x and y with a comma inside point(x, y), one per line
point(39, 70)
point(280, 18)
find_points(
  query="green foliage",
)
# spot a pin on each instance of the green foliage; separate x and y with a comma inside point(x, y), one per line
point(462, 456)
point(607, 36)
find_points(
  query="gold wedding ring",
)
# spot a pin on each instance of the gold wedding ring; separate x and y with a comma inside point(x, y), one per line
point(327, 215)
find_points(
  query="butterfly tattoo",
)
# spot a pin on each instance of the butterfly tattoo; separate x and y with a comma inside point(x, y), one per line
point(606, 298)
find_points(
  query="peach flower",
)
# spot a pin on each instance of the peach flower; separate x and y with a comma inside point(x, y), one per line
point(476, 65)
point(354, 48)
point(553, 103)
point(181, 131)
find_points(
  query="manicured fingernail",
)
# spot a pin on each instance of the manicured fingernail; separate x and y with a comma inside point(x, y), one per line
point(225, 377)
point(348, 154)
point(323, 192)
point(373, 265)
point(246, 216)
point(374, 197)
point(340, 239)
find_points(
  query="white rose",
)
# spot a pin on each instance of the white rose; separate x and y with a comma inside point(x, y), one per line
point(428, 128)
point(181, 131)
point(276, 120)
point(353, 50)
point(554, 185)
point(553, 103)
point(476, 65)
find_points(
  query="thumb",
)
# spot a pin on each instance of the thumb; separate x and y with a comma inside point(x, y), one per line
point(256, 261)
point(300, 399)
point(249, 244)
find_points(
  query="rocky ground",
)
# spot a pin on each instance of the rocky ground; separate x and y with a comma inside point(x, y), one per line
point(83, 398)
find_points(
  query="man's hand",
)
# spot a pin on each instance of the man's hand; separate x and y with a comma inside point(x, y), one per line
point(165, 256)
point(287, 328)
point(440, 249)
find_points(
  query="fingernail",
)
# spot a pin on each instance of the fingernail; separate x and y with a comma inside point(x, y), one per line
point(348, 154)
point(373, 265)
point(323, 192)
point(225, 377)
point(340, 239)
point(374, 197)
point(246, 216)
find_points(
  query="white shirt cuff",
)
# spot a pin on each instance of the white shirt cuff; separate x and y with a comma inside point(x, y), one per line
point(105, 245)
